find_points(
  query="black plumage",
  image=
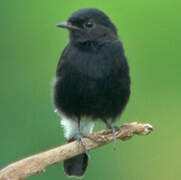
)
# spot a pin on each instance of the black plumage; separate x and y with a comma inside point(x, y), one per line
point(92, 78)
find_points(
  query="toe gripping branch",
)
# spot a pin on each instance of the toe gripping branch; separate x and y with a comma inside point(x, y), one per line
point(125, 132)
point(112, 133)
point(37, 163)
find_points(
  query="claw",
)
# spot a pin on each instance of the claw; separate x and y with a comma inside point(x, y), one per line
point(80, 140)
point(90, 137)
point(114, 128)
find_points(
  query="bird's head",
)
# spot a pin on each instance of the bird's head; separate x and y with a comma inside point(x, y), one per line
point(90, 26)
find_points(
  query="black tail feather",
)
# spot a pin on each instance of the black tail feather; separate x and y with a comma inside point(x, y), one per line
point(76, 166)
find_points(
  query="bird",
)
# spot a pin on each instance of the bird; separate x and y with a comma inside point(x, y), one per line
point(92, 80)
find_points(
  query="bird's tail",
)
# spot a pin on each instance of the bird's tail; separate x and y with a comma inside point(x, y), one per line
point(76, 166)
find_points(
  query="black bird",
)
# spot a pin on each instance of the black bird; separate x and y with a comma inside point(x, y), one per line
point(92, 79)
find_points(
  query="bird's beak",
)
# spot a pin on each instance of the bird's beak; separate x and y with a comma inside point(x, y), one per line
point(67, 25)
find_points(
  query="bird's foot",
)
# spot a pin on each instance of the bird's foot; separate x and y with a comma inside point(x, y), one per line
point(114, 129)
point(81, 140)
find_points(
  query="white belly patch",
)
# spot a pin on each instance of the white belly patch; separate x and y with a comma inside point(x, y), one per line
point(71, 129)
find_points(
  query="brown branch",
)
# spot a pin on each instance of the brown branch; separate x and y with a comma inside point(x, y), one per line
point(37, 163)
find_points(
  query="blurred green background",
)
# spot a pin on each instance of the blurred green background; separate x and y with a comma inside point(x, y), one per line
point(30, 46)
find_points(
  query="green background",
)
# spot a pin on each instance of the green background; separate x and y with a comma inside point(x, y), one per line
point(30, 46)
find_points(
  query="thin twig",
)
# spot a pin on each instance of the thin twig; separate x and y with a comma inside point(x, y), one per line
point(37, 163)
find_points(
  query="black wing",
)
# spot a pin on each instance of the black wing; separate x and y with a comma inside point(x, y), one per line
point(62, 59)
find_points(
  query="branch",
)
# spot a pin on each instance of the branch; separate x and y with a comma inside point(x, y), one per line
point(37, 163)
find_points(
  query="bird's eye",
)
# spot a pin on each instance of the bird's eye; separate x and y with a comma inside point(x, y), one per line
point(88, 24)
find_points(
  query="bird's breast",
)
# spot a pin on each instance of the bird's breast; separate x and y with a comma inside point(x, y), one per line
point(90, 84)
point(93, 67)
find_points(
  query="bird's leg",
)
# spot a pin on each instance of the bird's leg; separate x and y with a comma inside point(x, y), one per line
point(80, 137)
point(113, 128)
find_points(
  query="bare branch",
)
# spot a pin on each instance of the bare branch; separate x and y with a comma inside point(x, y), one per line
point(37, 163)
